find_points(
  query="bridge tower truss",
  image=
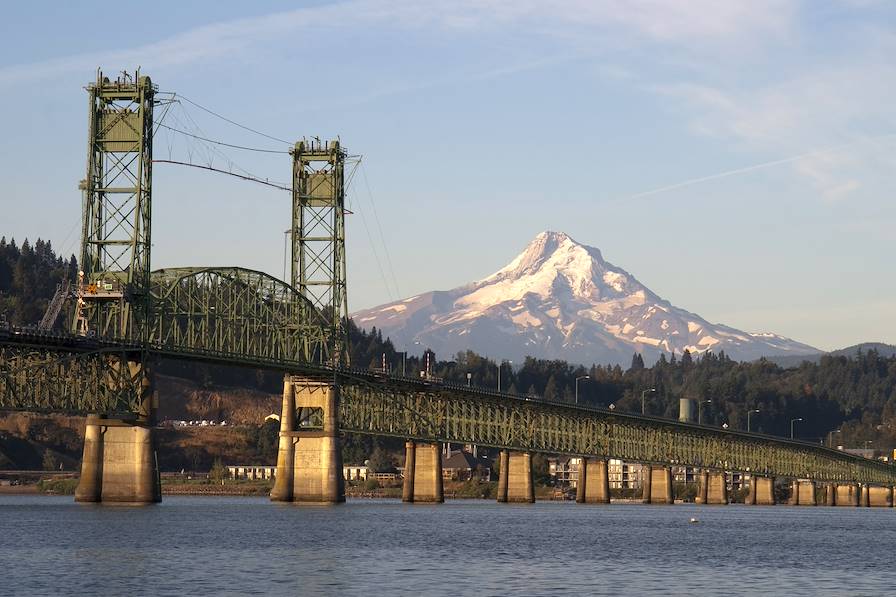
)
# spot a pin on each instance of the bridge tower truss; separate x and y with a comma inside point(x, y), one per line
point(318, 241)
point(114, 282)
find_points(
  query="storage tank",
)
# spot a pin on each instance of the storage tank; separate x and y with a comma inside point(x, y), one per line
point(687, 410)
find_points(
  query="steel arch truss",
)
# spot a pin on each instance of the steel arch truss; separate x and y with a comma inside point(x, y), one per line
point(233, 312)
point(453, 415)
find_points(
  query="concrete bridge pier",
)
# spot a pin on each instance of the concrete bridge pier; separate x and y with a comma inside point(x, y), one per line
point(119, 463)
point(702, 488)
point(830, 494)
point(656, 485)
point(593, 485)
point(515, 483)
point(802, 493)
point(422, 473)
point(762, 491)
point(880, 497)
point(847, 494)
point(309, 458)
point(865, 496)
point(717, 488)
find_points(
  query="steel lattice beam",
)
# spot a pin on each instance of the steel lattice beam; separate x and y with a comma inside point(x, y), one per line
point(113, 290)
point(318, 239)
point(459, 416)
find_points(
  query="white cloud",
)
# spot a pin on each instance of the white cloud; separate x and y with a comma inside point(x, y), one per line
point(846, 106)
point(599, 22)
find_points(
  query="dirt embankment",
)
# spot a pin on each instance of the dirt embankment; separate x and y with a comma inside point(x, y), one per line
point(181, 399)
point(26, 439)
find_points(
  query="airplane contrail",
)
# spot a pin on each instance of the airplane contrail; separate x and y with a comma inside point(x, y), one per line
point(693, 181)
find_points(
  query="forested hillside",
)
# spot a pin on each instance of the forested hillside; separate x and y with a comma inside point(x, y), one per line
point(28, 278)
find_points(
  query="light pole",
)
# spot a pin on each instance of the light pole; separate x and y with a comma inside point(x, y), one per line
point(404, 355)
point(643, 394)
point(749, 413)
point(831, 437)
point(469, 379)
point(700, 410)
point(578, 379)
point(792, 421)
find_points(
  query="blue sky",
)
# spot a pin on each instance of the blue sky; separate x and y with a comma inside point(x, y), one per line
point(736, 157)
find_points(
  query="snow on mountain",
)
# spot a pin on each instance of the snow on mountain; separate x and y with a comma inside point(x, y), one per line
point(559, 299)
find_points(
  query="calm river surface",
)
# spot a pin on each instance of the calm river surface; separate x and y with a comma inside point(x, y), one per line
point(231, 546)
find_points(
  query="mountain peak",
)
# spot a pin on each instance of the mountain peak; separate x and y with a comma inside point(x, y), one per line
point(552, 249)
point(560, 299)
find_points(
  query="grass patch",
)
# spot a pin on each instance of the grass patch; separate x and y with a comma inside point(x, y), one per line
point(58, 486)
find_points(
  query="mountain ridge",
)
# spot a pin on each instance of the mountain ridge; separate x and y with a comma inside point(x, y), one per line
point(560, 299)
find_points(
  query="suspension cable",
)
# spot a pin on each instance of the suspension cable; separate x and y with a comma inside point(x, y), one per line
point(258, 149)
point(220, 171)
point(234, 123)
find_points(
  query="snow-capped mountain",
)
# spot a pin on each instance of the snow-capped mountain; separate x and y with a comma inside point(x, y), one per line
point(560, 300)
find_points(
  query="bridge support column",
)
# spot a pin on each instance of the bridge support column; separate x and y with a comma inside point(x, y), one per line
point(503, 465)
point(119, 463)
point(762, 491)
point(423, 473)
point(657, 485)
point(805, 493)
point(717, 489)
point(407, 487)
point(830, 494)
point(866, 496)
point(593, 486)
point(847, 495)
point(880, 497)
point(515, 482)
point(309, 462)
point(702, 488)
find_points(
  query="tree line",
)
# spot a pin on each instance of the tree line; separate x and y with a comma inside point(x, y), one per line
point(28, 278)
point(844, 400)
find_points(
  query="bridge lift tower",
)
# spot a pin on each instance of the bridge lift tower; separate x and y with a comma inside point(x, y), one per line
point(113, 294)
point(318, 240)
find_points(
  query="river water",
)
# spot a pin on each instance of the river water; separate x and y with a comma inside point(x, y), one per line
point(249, 546)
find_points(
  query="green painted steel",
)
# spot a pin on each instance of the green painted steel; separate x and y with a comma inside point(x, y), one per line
point(460, 416)
point(36, 376)
point(45, 378)
point(113, 287)
point(239, 313)
point(318, 238)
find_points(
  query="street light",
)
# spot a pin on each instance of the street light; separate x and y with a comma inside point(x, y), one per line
point(831, 436)
point(578, 379)
point(643, 393)
point(792, 421)
point(404, 355)
point(700, 410)
point(469, 379)
point(749, 413)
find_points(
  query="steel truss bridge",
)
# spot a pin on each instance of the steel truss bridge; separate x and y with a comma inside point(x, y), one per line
point(122, 317)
